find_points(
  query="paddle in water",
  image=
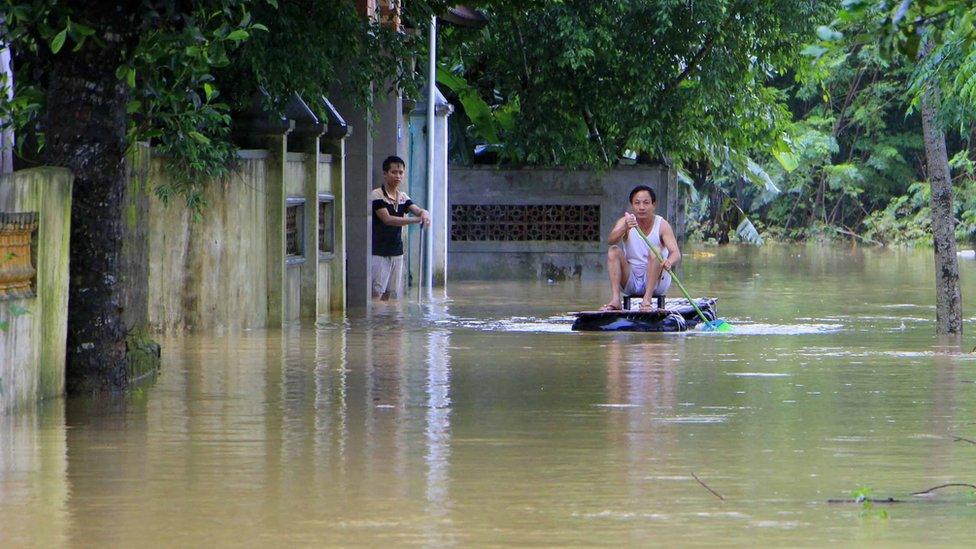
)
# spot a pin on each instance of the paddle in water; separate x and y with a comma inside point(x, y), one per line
point(717, 325)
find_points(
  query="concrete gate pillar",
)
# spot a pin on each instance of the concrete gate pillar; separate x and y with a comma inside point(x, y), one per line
point(366, 148)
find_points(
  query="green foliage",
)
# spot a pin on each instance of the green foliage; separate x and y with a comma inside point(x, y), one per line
point(176, 102)
point(906, 220)
point(867, 77)
point(168, 68)
point(309, 43)
point(190, 65)
point(855, 151)
point(862, 495)
point(594, 80)
point(485, 124)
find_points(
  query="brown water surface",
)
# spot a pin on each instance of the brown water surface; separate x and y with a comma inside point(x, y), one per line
point(481, 419)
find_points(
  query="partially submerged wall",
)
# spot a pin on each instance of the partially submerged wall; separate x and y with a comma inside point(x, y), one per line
point(33, 323)
point(253, 256)
point(210, 272)
point(542, 223)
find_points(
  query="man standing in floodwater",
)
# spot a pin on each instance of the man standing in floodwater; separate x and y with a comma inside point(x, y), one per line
point(633, 268)
point(390, 207)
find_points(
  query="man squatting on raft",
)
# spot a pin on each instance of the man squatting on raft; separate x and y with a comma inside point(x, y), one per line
point(630, 263)
point(389, 217)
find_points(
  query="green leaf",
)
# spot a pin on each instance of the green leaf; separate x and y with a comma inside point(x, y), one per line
point(474, 106)
point(200, 137)
point(131, 78)
point(747, 232)
point(82, 29)
point(238, 35)
point(787, 160)
point(687, 181)
point(58, 41)
point(756, 174)
point(260, 27)
point(828, 34)
point(208, 90)
point(813, 51)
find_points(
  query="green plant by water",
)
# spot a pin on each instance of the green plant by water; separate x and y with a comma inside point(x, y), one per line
point(863, 495)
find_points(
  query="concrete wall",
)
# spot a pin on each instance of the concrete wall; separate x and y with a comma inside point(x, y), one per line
point(227, 268)
point(135, 243)
point(331, 269)
point(295, 178)
point(540, 259)
point(32, 347)
point(211, 272)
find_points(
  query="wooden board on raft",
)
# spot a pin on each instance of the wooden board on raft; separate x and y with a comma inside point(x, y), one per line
point(679, 316)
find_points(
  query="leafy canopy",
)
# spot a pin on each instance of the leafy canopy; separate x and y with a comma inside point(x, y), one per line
point(593, 80)
point(189, 65)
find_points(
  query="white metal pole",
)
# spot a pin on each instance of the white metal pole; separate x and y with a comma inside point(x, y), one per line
point(431, 94)
point(420, 265)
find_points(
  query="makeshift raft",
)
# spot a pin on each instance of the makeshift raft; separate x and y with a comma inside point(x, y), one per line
point(679, 316)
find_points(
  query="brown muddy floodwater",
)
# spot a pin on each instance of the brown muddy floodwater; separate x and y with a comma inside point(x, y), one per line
point(481, 419)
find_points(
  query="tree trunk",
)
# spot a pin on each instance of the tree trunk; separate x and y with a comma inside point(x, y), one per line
point(85, 131)
point(948, 300)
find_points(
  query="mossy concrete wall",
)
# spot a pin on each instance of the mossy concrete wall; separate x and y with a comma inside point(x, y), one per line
point(32, 347)
point(135, 240)
point(210, 272)
point(225, 267)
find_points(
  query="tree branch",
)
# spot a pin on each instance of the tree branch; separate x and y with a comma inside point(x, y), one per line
point(696, 59)
point(716, 494)
point(934, 488)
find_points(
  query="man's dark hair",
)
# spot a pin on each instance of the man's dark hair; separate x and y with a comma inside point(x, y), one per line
point(640, 188)
point(390, 160)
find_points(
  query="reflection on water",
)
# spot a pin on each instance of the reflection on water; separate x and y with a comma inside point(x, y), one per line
point(483, 419)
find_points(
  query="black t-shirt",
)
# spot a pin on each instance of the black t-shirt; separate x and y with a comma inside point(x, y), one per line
point(387, 239)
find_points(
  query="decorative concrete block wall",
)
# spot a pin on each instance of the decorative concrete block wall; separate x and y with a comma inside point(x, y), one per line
point(542, 223)
point(34, 289)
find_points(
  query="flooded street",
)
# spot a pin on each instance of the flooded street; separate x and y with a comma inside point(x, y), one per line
point(482, 419)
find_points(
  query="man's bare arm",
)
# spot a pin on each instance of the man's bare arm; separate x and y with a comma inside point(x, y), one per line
point(620, 228)
point(423, 214)
point(395, 221)
point(671, 243)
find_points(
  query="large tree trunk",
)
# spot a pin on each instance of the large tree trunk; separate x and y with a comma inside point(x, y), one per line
point(85, 131)
point(948, 300)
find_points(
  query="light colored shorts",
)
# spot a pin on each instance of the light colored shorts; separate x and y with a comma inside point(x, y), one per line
point(387, 275)
point(637, 284)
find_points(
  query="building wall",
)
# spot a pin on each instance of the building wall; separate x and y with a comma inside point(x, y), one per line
point(32, 347)
point(543, 257)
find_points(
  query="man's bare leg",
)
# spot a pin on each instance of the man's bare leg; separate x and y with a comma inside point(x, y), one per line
point(619, 271)
point(654, 272)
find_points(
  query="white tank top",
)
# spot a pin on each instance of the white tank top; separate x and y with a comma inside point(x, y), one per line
point(636, 250)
